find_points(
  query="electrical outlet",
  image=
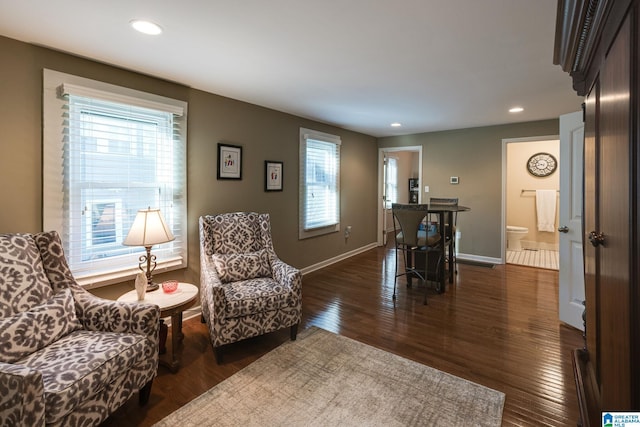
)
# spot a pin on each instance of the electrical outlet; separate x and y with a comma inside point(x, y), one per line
point(426, 188)
point(347, 231)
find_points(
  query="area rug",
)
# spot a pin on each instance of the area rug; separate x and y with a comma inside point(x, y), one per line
point(324, 379)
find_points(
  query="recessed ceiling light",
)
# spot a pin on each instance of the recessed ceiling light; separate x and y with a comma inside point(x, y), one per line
point(396, 125)
point(516, 110)
point(146, 27)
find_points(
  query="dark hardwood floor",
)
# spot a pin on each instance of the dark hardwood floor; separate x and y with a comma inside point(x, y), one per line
point(497, 327)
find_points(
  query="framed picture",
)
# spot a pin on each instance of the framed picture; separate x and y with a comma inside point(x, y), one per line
point(273, 176)
point(229, 161)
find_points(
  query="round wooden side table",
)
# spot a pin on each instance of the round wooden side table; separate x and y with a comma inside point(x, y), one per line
point(171, 305)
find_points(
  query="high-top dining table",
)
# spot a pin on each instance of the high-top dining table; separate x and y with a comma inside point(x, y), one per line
point(447, 232)
point(445, 216)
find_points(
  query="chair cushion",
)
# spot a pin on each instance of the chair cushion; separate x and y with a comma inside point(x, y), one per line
point(432, 239)
point(234, 267)
point(236, 233)
point(252, 296)
point(23, 281)
point(81, 364)
point(29, 331)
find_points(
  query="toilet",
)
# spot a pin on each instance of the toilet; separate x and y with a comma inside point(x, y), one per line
point(514, 235)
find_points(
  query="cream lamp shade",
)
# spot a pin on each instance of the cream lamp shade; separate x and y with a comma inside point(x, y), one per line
point(148, 229)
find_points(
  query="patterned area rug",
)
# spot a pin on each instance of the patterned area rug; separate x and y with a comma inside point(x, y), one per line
point(323, 379)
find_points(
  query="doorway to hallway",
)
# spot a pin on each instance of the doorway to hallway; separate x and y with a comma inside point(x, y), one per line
point(408, 164)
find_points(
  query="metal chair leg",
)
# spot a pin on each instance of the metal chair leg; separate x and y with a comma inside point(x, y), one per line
point(395, 277)
point(426, 274)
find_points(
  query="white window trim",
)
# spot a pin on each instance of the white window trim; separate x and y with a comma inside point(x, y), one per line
point(56, 83)
point(325, 137)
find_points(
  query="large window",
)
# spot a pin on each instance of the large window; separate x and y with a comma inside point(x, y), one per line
point(108, 152)
point(319, 183)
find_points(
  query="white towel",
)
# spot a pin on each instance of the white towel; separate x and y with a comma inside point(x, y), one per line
point(546, 209)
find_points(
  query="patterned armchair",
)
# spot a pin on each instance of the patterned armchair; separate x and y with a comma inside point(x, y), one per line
point(246, 290)
point(66, 356)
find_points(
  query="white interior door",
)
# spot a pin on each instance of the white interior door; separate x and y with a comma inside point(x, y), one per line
point(385, 213)
point(571, 274)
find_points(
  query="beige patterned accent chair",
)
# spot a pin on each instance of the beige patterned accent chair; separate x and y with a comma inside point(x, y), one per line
point(67, 358)
point(246, 290)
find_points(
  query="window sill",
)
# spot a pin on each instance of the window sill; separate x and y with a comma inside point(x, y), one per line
point(305, 234)
point(112, 277)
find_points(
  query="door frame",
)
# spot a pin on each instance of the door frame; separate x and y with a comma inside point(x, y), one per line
point(381, 151)
point(503, 207)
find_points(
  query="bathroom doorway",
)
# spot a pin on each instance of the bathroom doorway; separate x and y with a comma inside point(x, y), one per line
point(531, 185)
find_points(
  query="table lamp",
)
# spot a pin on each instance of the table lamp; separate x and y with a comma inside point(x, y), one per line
point(148, 229)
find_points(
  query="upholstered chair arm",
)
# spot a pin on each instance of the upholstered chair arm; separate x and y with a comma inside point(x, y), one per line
point(211, 291)
point(98, 314)
point(21, 396)
point(287, 275)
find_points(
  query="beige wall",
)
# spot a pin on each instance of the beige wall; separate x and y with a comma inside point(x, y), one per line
point(521, 207)
point(475, 157)
point(264, 135)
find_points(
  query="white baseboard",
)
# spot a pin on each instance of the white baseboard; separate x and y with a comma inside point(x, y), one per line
point(478, 258)
point(338, 258)
point(197, 310)
point(187, 314)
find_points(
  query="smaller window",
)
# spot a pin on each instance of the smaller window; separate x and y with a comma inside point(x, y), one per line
point(319, 183)
point(391, 176)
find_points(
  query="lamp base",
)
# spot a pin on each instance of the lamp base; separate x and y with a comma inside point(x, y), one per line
point(152, 287)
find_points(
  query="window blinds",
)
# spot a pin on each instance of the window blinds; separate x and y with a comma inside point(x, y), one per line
point(116, 154)
point(319, 183)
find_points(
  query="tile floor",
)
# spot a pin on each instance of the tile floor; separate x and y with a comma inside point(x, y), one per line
point(540, 258)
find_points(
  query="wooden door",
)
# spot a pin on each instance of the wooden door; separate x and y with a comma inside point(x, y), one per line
point(588, 374)
point(608, 265)
point(598, 43)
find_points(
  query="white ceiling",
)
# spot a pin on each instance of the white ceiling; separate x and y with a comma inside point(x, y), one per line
point(358, 64)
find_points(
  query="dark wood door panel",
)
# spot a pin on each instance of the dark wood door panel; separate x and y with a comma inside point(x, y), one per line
point(590, 224)
point(598, 43)
point(614, 218)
